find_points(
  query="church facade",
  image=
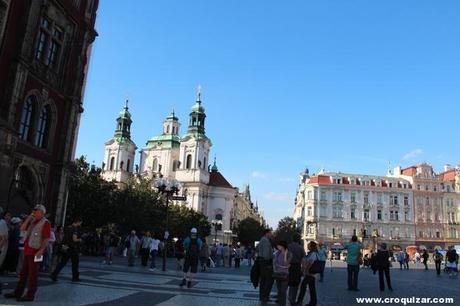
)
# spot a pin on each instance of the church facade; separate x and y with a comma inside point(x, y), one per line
point(184, 158)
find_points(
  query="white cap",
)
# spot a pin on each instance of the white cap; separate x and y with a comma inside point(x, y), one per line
point(40, 207)
point(194, 231)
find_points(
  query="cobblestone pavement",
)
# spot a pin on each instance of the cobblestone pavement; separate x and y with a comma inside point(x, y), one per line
point(121, 285)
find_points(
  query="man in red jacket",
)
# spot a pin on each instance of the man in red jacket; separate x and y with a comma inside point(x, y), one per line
point(37, 229)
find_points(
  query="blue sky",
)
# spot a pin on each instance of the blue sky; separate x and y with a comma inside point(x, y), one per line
point(345, 85)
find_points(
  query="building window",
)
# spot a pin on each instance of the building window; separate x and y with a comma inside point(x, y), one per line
point(27, 118)
point(337, 212)
point(218, 226)
point(379, 214)
point(155, 164)
point(394, 200)
point(366, 198)
point(323, 211)
point(205, 164)
point(188, 164)
point(309, 211)
point(427, 201)
point(49, 43)
point(128, 165)
point(420, 234)
point(3, 16)
point(418, 187)
point(112, 163)
point(438, 234)
point(366, 214)
point(379, 198)
point(43, 127)
point(323, 196)
point(353, 197)
point(406, 216)
point(453, 232)
point(406, 201)
point(396, 215)
point(337, 196)
point(353, 213)
point(309, 195)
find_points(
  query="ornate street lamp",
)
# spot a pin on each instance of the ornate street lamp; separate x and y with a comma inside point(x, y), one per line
point(168, 188)
point(215, 223)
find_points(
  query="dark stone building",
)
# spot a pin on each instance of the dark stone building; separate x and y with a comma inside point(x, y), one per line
point(45, 46)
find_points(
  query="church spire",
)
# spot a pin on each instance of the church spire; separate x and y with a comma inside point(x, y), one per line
point(214, 167)
point(123, 129)
point(197, 117)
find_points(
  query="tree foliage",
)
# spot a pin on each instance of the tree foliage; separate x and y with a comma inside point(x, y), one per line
point(286, 229)
point(249, 231)
point(135, 206)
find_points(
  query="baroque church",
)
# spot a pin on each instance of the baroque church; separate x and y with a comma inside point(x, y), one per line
point(184, 158)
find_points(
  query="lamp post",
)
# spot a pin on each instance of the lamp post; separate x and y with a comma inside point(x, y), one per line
point(168, 188)
point(215, 223)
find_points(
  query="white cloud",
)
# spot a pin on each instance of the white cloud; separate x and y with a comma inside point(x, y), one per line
point(279, 197)
point(413, 154)
point(258, 174)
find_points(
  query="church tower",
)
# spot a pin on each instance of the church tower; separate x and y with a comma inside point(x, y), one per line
point(194, 147)
point(120, 150)
point(161, 153)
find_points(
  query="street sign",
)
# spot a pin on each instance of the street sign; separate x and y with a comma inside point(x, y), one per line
point(177, 198)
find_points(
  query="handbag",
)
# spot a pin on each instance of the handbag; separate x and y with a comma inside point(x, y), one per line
point(317, 266)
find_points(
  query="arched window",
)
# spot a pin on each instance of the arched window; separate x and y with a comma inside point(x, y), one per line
point(121, 165)
point(167, 129)
point(205, 165)
point(26, 118)
point(175, 165)
point(128, 164)
point(155, 165)
point(219, 226)
point(112, 163)
point(41, 139)
point(188, 165)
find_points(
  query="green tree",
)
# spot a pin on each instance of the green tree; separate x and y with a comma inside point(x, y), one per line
point(287, 227)
point(249, 231)
point(136, 206)
point(90, 196)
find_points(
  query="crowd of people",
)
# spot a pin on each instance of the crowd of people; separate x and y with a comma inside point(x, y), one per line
point(293, 270)
point(29, 244)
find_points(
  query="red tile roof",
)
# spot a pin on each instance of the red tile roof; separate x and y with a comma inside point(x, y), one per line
point(411, 171)
point(449, 175)
point(218, 180)
point(320, 179)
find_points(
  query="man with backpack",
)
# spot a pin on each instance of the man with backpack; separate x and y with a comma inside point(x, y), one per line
point(192, 247)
